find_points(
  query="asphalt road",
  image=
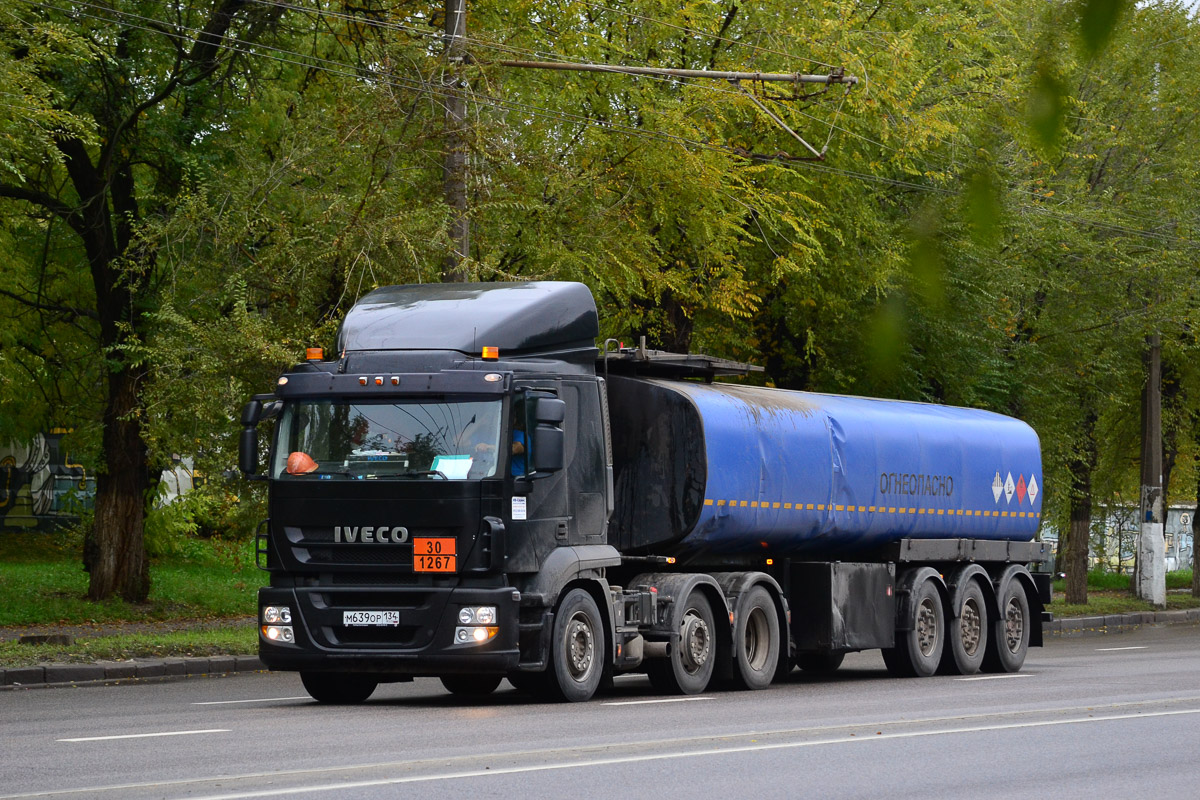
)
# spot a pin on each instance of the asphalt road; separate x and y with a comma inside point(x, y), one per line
point(1088, 717)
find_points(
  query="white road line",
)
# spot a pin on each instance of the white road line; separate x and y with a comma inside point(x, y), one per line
point(143, 735)
point(1114, 649)
point(260, 700)
point(648, 702)
point(716, 751)
point(998, 677)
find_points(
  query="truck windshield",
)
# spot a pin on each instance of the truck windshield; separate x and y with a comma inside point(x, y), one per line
point(398, 439)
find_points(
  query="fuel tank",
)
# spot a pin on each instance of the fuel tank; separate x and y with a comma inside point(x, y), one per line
point(728, 469)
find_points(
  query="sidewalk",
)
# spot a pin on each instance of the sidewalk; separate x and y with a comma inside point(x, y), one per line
point(137, 670)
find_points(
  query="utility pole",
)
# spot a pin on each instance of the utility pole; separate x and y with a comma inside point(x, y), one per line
point(1150, 582)
point(454, 167)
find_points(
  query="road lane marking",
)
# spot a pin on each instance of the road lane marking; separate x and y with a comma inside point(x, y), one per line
point(648, 702)
point(997, 677)
point(259, 700)
point(142, 735)
point(1114, 649)
point(346, 786)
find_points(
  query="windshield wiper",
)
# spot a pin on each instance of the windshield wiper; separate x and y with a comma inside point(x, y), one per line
point(417, 473)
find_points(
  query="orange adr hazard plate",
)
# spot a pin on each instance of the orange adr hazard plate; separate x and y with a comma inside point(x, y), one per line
point(435, 554)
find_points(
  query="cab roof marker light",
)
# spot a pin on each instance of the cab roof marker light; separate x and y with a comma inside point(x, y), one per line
point(395, 380)
point(378, 381)
point(362, 381)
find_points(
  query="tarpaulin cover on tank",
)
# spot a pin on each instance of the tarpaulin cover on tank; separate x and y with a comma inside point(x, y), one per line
point(793, 472)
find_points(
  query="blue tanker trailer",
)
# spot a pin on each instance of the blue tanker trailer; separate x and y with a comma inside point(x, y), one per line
point(471, 489)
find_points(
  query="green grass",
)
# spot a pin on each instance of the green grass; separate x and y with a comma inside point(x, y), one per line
point(42, 582)
point(240, 640)
point(1112, 581)
point(1108, 601)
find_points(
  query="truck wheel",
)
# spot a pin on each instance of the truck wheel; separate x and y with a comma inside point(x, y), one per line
point(471, 685)
point(820, 663)
point(577, 649)
point(919, 649)
point(1009, 641)
point(338, 688)
point(756, 640)
point(967, 635)
point(690, 666)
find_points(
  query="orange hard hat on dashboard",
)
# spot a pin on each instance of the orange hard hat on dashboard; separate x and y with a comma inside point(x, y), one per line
point(299, 463)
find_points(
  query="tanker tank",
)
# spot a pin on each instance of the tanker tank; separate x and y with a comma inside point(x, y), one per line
point(732, 470)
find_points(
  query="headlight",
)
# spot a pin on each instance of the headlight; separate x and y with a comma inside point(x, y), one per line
point(477, 615)
point(277, 615)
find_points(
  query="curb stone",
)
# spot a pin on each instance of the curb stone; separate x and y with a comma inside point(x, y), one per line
point(105, 673)
point(1117, 623)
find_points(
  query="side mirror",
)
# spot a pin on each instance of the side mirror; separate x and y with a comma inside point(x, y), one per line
point(549, 440)
point(248, 452)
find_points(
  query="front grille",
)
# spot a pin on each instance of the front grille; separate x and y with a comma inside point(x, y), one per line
point(372, 579)
point(397, 556)
point(400, 636)
point(381, 599)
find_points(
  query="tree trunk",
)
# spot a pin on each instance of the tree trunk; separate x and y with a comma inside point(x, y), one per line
point(1080, 528)
point(1078, 536)
point(118, 563)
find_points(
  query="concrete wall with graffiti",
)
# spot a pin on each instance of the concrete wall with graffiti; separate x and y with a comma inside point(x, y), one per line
point(40, 487)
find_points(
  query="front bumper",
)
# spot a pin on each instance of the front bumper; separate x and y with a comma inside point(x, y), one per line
point(422, 644)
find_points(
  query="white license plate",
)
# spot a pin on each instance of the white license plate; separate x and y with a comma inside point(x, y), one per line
point(371, 618)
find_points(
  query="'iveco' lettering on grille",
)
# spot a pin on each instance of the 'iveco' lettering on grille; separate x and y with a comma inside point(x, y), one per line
point(372, 534)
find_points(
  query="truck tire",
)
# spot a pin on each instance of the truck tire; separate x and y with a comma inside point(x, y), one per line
point(1009, 642)
point(689, 667)
point(576, 650)
point(967, 633)
point(471, 685)
point(335, 688)
point(820, 663)
point(918, 650)
point(755, 640)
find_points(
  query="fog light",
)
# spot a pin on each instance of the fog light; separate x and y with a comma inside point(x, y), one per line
point(477, 634)
point(277, 615)
point(279, 633)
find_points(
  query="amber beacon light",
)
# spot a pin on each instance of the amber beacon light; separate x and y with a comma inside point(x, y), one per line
point(491, 353)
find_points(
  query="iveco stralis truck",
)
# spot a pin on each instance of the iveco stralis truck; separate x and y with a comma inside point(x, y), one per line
point(473, 490)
